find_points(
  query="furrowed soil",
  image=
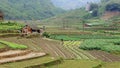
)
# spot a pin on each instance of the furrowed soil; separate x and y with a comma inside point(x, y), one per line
point(56, 49)
point(53, 48)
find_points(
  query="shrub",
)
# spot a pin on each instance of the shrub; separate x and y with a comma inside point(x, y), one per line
point(107, 45)
point(45, 34)
point(113, 7)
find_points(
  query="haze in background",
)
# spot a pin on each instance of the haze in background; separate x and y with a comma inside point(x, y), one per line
point(72, 4)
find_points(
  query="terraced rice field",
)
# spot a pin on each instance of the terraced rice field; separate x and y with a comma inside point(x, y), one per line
point(77, 64)
point(73, 46)
point(27, 63)
point(13, 56)
point(66, 50)
point(53, 48)
point(104, 56)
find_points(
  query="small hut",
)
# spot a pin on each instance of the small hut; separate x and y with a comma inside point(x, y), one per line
point(29, 29)
point(26, 30)
point(1, 16)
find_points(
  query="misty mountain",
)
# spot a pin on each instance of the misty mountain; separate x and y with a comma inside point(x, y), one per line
point(28, 9)
point(72, 4)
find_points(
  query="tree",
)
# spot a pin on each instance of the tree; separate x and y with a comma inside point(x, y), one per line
point(94, 9)
point(113, 7)
point(93, 6)
point(95, 13)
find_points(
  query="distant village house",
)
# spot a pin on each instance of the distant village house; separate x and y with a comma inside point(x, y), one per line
point(30, 29)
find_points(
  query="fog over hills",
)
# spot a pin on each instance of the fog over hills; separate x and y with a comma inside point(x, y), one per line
point(72, 4)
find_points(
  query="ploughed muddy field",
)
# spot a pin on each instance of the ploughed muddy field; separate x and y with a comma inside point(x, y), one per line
point(56, 49)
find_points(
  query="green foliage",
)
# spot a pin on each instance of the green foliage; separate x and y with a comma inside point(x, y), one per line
point(68, 19)
point(93, 6)
point(95, 13)
point(28, 9)
point(45, 34)
point(13, 45)
point(82, 36)
point(6, 27)
point(2, 46)
point(73, 17)
point(107, 4)
point(28, 63)
point(107, 45)
point(113, 7)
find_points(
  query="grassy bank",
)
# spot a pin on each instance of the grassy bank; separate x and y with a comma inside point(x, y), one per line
point(12, 45)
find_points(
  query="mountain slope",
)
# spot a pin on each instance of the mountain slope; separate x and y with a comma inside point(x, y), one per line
point(110, 9)
point(69, 18)
point(28, 9)
point(74, 17)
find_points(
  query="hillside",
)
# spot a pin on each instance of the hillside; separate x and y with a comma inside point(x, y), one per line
point(99, 15)
point(67, 19)
point(107, 15)
point(110, 9)
point(28, 9)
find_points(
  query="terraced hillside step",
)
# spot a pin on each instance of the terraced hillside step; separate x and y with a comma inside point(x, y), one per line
point(73, 46)
point(24, 57)
point(3, 49)
point(104, 56)
point(13, 53)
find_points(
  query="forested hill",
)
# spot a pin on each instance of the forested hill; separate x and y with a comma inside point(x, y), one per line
point(28, 9)
point(98, 11)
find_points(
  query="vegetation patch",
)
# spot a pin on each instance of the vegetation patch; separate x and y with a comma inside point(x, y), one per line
point(107, 45)
point(111, 65)
point(47, 64)
point(27, 63)
point(77, 64)
point(2, 46)
point(9, 35)
point(9, 27)
point(82, 36)
point(13, 45)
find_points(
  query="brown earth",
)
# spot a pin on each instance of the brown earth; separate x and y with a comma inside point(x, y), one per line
point(104, 56)
point(55, 49)
point(18, 55)
point(107, 15)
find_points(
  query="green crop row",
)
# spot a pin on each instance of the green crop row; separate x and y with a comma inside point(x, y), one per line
point(13, 45)
point(108, 45)
point(8, 26)
point(82, 36)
